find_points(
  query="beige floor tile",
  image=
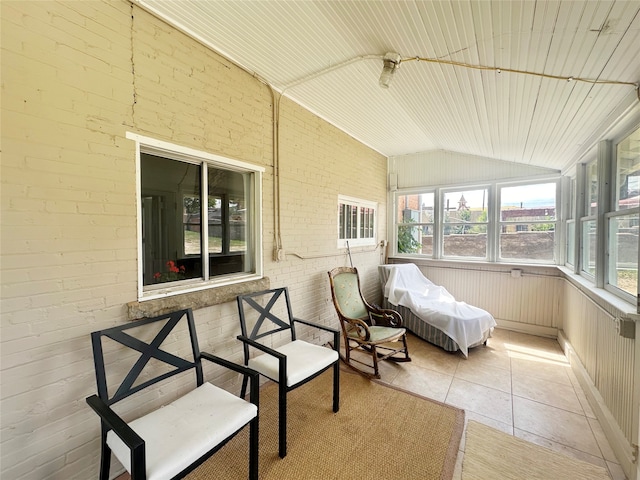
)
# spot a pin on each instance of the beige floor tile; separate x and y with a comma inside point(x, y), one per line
point(489, 356)
point(486, 375)
point(560, 448)
point(520, 384)
point(489, 402)
point(425, 382)
point(540, 390)
point(555, 424)
point(541, 367)
point(541, 344)
point(437, 360)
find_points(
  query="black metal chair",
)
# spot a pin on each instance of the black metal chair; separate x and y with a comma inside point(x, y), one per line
point(267, 315)
point(171, 441)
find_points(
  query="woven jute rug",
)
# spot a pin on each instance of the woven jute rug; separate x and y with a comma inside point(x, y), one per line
point(490, 453)
point(379, 432)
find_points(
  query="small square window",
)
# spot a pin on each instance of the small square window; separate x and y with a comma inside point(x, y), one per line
point(356, 222)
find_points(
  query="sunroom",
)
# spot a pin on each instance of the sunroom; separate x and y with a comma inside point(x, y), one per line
point(496, 145)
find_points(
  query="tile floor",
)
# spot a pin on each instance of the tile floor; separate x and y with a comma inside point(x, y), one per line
point(520, 384)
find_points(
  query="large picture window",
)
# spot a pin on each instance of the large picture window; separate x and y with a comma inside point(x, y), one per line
point(495, 222)
point(199, 219)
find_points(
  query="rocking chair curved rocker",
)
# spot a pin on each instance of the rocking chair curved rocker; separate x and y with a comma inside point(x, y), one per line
point(365, 327)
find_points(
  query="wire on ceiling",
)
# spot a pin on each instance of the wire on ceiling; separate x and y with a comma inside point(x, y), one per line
point(512, 70)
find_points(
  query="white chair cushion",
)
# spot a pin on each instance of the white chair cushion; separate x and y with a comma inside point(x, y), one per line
point(303, 360)
point(177, 434)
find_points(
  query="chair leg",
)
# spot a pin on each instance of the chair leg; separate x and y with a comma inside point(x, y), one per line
point(105, 459)
point(374, 355)
point(406, 348)
point(282, 419)
point(336, 386)
point(253, 449)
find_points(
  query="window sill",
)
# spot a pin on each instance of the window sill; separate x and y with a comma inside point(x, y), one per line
point(600, 296)
point(194, 300)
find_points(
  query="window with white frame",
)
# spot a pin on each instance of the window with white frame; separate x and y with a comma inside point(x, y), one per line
point(588, 223)
point(528, 222)
point(415, 222)
point(470, 223)
point(622, 224)
point(464, 221)
point(199, 219)
point(356, 222)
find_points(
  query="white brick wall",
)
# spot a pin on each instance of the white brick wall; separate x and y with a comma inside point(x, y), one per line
point(70, 74)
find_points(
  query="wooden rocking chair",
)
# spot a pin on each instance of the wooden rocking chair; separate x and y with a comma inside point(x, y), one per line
point(365, 327)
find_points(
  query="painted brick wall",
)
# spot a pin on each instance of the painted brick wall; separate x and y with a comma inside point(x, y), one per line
point(76, 76)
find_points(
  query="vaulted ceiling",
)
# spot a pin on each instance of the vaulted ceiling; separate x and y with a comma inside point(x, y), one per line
point(535, 82)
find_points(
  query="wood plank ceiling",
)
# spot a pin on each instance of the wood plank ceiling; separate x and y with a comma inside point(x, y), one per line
point(327, 56)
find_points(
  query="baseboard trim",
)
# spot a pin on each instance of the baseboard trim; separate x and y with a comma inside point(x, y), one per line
point(538, 330)
point(617, 440)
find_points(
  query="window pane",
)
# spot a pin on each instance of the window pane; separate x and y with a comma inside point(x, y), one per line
point(228, 196)
point(628, 177)
point(215, 224)
point(170, 220)
point(415, 239)
point(525, 203)
point(464, 226)
point(589, 247)
point(465, 240)
point(366, 222)
point(466, 206)
point(623, 253)
point(417, 208)
point(191, 219)
point(527, 222)
point(528, 241)
point(592, 189)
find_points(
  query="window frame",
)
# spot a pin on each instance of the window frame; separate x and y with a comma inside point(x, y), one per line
point(443, 223)
point(359, 204)
point(503, 223)
point(420, 224)
point(492, 224)
point(613, 213)
point(190, 155)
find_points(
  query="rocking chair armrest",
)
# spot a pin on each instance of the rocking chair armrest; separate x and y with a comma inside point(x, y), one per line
point(386, 317)
point(334, 331)
point(112, 420)
point(361, 327)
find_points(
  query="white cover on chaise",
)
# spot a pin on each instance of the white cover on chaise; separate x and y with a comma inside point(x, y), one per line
point(465, 324)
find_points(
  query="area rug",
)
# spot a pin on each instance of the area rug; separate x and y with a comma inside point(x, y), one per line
point(492, 454)
point(379, 432)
